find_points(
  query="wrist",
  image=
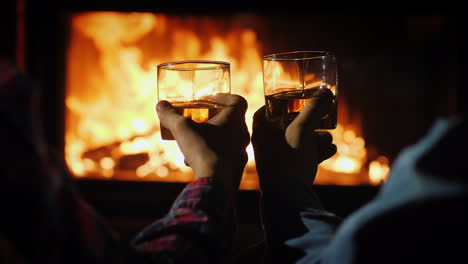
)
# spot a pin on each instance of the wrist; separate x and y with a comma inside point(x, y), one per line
point(287, 185)
point(222, 172)
point(293, 195)
point(205, 165)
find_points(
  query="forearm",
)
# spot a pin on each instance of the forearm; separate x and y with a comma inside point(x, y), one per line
point(292, 214)
point(282, 202)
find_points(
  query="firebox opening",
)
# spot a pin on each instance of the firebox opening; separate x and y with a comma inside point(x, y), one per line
point(111, 126)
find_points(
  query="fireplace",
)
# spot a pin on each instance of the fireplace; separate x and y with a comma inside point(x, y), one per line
point(110, 89)
point(87, 55)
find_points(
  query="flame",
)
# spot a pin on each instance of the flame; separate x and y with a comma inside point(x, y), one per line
point(111, 125)
point(379, 170)
point(351, 152)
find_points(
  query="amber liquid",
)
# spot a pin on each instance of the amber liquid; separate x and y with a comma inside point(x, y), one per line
point(283, 107)
point(198, 111)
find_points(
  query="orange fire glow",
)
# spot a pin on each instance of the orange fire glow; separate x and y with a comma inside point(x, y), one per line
point(111, 125)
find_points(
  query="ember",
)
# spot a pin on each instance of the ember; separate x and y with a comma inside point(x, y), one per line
point(111, 126)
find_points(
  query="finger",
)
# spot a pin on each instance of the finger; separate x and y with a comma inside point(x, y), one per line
point(324, 138)
point(314, 110)
point(231, 100)
point(233, 116)
point(181, 128)
point(168, 115)
point(327, 153)
point(261, 124)
point(259, 118)
point(263, 131)
point(236, 105)
point(325, 146)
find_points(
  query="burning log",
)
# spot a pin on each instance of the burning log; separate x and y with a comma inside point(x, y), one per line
point(111, 156)
point(98, 153)
point(132, 161)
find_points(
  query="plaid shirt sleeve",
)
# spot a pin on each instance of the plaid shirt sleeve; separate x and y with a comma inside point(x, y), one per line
point(47, 221)
point(199, 228)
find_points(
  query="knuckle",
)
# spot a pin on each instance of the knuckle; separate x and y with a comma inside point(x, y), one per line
point(239, 101)
point(246, 138)
point(326, 136)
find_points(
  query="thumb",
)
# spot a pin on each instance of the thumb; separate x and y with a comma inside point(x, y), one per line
point(315, 109)
point(166, 113)
point(169, 117)
point(299, 132)
point(183, 129)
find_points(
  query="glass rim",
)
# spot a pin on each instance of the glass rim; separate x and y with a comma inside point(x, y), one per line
point(298, 55)
point(204, 65)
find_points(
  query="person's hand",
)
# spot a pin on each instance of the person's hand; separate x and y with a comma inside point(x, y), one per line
point(216, 148)
point(292, 155)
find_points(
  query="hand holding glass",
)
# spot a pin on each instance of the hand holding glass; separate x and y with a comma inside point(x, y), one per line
point(292, 78)
point(191, 88)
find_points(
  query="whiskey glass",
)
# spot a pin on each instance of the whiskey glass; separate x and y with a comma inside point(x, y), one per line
point(291, 79)
point(191, 87)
